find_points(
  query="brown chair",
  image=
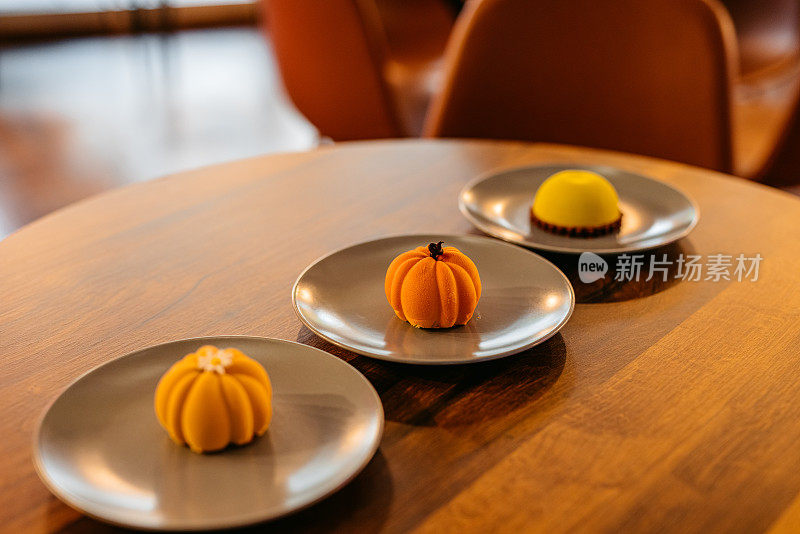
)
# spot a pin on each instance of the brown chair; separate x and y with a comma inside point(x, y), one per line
point(651, 78)
point(359, 69)
point(768, 33)
point(784, 166)
point(765, 100)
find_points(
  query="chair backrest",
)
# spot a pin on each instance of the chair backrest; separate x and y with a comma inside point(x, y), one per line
point(768, 33)
point(650, 77)
point(330, 56)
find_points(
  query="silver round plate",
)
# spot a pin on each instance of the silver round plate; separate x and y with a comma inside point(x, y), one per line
point(525, 300)
point(100, 449)
point(653, 213)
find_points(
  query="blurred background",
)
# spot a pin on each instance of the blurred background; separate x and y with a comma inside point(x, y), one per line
point(95, 94)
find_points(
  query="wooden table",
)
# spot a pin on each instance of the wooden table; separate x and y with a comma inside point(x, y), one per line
point(659, 407)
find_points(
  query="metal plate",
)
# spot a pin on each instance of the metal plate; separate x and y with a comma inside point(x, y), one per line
point(525, 300)
point(653, 213)
point(100, 449)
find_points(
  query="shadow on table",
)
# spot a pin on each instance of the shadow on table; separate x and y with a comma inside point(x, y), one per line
point(608, 289)
point(453, 395)
point(364, 502)
point(88, 525)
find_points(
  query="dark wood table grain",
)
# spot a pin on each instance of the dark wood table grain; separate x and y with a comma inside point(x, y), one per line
point(669, 407)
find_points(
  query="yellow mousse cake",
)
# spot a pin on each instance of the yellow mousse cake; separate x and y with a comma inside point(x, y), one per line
point(433, 286)
point(214, 397)
point(577, 203)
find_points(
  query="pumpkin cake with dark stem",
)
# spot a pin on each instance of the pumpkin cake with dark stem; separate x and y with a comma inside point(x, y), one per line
point(433, 286)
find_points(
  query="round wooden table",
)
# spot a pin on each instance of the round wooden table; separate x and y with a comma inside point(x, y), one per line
point(659, 407)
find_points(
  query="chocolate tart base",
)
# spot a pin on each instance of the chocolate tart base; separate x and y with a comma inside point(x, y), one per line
point(578, 231)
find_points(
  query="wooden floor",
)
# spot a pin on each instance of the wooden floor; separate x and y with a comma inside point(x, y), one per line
point(81, 116)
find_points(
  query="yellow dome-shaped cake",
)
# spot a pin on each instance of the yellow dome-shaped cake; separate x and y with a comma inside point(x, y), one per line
point(577, 203)
point(214, 397)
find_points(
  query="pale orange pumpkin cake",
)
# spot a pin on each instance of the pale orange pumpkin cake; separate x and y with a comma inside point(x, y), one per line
point(433, 286)
point(214, 397)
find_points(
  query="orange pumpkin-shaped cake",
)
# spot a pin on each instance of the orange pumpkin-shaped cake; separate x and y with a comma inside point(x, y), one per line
point(212, 398)
point(433, 286)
